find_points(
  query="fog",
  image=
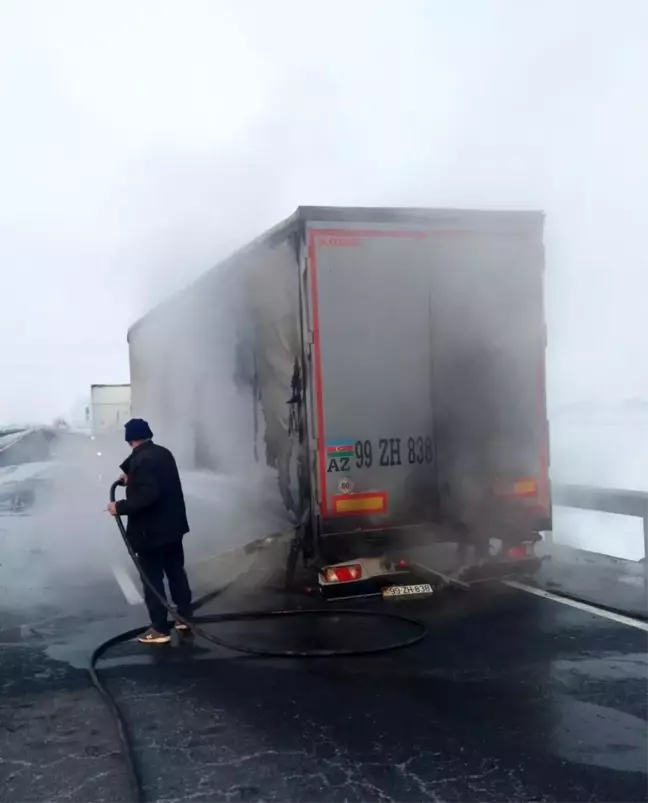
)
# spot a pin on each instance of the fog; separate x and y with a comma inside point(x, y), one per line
point(70, 540)
point(140, 143)
point(143, 142)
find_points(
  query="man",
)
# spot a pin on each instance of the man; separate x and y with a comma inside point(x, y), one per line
point(157, 523)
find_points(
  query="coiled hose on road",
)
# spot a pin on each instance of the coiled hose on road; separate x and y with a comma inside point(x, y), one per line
point(194, 626)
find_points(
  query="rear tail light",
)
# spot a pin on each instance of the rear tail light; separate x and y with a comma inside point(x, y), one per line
point(401, 564)
point(524, 487)
point(343, 574)
point(520, 551)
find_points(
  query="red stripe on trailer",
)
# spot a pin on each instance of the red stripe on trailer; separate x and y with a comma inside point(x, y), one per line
point(544, 493)
point(319, 390)
point(340, 236)
point(408, 234)
point(543, 479)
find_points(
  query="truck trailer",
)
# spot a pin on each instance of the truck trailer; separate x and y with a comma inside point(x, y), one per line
point(109, 409)
point(389, 366)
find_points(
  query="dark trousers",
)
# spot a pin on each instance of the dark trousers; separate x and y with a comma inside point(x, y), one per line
point(166, 560)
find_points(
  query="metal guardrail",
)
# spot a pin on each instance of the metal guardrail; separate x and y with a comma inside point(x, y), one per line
point(606, 500)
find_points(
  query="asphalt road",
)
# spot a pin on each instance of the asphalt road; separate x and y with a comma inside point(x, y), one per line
point(510, 697)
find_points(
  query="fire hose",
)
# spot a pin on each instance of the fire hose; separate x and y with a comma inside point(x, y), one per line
point(195, 626)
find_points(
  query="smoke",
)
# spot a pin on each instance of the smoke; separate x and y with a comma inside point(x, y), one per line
point(209, 126)
point(64, 542)
point(155, 141)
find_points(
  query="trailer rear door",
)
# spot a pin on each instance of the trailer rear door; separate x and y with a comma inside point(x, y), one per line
point(489, 353)
point(371, 318)
point(428, 361)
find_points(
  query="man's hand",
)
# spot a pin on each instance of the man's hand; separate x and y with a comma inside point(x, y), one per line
point(112, 508)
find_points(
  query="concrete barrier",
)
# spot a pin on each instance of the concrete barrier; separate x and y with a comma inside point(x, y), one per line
point(605, 500)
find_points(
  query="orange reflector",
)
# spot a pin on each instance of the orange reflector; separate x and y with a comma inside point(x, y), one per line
point(526, 487)
point(522, 487)
point(343, 574)
point(373, 502)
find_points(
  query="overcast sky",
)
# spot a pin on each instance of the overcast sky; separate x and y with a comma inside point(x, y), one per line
point(142, 141)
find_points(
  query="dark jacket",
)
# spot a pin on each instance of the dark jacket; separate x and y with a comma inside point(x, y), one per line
point(154, 501)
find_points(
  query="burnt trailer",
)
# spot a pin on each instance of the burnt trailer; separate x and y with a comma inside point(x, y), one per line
point(389, 364)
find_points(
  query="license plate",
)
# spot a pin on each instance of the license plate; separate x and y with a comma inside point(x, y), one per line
point(406, 591)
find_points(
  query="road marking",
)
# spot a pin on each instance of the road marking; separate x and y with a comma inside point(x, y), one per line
point(581, 606)
point(128, 587)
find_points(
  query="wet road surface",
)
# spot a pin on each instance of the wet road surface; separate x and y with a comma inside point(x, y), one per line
point(510, 697)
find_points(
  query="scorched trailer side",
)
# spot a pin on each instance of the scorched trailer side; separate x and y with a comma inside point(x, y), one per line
point(390, 363)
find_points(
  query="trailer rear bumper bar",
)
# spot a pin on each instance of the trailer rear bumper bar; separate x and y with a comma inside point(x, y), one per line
point(484, 572)
point(369, 585)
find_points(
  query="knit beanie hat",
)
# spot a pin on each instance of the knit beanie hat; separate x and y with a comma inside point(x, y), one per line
point(137, 429)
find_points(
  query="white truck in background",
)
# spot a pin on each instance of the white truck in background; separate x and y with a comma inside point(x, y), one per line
point(110, 407)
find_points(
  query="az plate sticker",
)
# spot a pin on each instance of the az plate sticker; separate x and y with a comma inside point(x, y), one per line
point(338, 456)
point(345, 485)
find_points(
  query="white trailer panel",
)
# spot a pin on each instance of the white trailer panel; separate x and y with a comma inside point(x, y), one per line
point(110, 408)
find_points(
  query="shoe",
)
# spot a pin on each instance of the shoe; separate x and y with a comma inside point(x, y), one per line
point(181, 627)
point(153, 637)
